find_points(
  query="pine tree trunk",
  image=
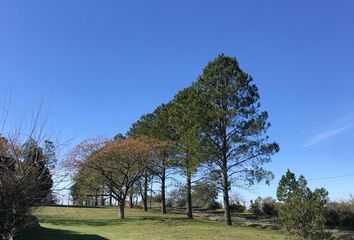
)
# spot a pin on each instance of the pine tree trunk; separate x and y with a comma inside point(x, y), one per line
point(227, 214)
point(224, 169)
point(189, 196)
point(163, 190)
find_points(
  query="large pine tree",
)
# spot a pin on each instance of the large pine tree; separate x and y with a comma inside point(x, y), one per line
point(235, 125)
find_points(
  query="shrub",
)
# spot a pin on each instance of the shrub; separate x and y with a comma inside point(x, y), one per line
point(213, 205)
point(237, 207)
point(169, 202)
point(302, 213)
point(255, 207)
point(177, 197)
point(157, 198)
point(269, 207)
point(340, 214)
point(181, 203)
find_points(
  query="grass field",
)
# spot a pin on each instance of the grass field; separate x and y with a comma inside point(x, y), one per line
point(101, 223)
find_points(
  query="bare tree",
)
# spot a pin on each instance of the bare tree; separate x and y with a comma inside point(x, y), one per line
point(27, 163)
point(25, 180)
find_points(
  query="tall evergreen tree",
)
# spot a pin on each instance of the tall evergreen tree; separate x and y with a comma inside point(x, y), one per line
point(190, 145)
point(235, 125)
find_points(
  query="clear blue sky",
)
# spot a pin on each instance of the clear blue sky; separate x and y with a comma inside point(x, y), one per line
point(98, 65)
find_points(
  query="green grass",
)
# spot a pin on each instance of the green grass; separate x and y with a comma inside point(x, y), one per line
point(101, 223)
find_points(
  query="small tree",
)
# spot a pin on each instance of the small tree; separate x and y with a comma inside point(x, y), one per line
point(269, 206)
point(255, 207)
point(87, 186)
point(302, 213)
point(86, 183)
point(121, 163)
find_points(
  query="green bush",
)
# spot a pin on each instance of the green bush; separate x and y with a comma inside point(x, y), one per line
point(157, 198)
point(340, 214)
point(213, 205)
point(270, 206)
point(237, 207)
point(255, 207)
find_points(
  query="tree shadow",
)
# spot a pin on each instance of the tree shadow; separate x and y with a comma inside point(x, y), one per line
point(76, 222)
point(164, 219)
point(38, 232)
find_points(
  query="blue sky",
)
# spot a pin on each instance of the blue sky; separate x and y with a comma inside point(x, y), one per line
point(96, 66)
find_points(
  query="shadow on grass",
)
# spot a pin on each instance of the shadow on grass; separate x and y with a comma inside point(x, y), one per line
point(260, 226)
point(116, 222)
point(77, 222)
point(169, 220)
point(38, 232)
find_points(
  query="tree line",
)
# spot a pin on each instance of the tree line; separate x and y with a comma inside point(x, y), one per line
point(216, 124)
point(212, 134)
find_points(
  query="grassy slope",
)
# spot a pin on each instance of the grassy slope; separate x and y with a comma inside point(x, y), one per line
point(101, 223)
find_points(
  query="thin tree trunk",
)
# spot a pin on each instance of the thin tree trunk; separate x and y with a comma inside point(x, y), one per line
point(163, 190)
point(145, 198)
point(102, 199)
point(96, 199)
point(227, 214)
point(189, 196)
point(152, 180)
point(110, 197)
point(131, 204)
point(111, 193)
point(121, 210)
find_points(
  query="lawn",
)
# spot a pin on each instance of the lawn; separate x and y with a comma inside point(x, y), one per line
point(101, 223)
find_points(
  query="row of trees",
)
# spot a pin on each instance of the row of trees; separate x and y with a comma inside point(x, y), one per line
point(215, 124)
